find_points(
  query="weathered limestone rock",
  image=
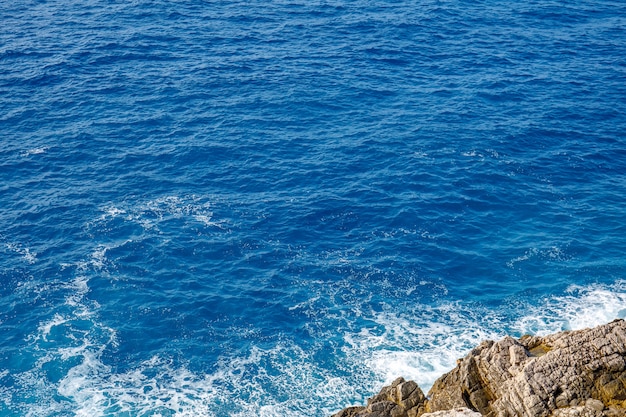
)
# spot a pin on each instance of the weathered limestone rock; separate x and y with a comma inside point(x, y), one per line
point(535, 376)
point(400, 399)
point(457, 412)
point(349, 412)
point(577, 373)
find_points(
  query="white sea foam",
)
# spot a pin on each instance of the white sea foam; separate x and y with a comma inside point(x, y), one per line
point(29, 256)
point(174, 207)
point(151, 215)
point(422, 345)
point(111, 212)
point(98, 256)
point(44, 329)
point(97, 260)
point(471, 153)
point(581, 307)
point(35, 151)
point(553, 253)
point(241, 387)
point(79, 288)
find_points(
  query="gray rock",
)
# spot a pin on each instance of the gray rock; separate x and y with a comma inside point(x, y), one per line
point(400, 399)
point(349, 412)
point(596, 405)
point(535, 376)
point(457, 412)
point(577, 373)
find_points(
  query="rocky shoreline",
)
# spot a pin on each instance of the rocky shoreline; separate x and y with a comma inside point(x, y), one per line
point(574, 373)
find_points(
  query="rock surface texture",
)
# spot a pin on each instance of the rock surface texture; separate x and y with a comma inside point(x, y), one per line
point(576, 373)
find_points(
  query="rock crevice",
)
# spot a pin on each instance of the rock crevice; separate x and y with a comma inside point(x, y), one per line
point(573, 373)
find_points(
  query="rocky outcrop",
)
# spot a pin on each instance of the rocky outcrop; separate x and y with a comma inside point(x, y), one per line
point(577, 373)
point(457, 412)
point(400, 399)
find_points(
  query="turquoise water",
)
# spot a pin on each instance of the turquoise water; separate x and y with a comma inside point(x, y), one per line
point(273, 208)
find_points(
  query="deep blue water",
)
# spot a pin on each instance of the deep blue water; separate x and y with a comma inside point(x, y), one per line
point(272, 208)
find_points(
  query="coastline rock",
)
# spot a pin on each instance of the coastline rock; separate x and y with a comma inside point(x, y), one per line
point(573, 373)
point(400, 399)
point(457, 412)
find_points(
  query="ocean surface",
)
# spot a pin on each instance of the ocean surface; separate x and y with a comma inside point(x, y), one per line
point(272, 208)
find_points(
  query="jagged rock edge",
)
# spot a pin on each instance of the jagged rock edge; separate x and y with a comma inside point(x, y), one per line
point(578, 373)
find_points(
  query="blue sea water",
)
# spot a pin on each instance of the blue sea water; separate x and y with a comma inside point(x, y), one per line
point(272, 208)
